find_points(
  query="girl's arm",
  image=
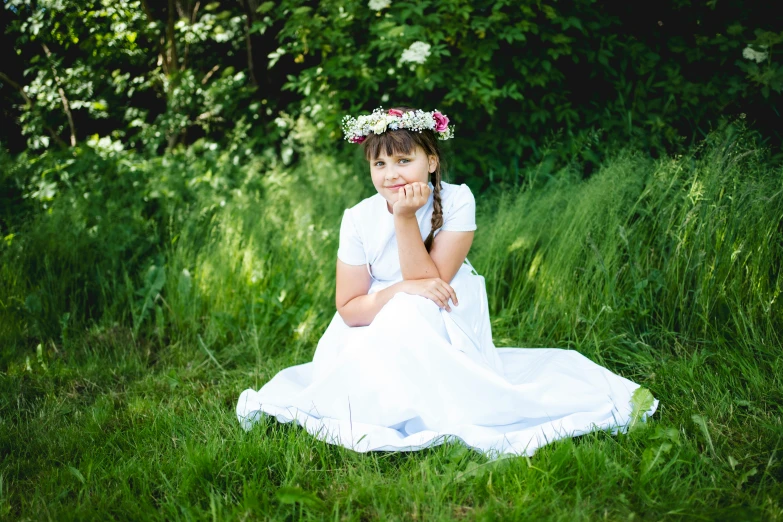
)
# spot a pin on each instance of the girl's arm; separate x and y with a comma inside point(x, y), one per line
point(449, 249)
point(358, 308)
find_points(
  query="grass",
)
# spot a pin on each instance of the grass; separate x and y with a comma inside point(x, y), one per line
point(666, 271)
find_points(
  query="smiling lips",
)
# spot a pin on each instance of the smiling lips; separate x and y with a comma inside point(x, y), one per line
point(396, 187)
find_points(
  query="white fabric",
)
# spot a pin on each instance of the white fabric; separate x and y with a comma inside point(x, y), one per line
point(419, 376)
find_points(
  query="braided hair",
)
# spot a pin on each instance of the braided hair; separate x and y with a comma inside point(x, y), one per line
point(403, 141)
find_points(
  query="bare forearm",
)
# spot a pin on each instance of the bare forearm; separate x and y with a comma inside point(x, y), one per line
point(415, 261)
point(361, 310)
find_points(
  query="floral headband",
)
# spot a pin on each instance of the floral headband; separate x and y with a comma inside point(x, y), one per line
point(357, 129)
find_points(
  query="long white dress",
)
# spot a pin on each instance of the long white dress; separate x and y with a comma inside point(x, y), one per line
point(419, 376)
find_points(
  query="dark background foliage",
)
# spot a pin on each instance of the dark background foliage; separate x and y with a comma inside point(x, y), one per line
point(523, 81)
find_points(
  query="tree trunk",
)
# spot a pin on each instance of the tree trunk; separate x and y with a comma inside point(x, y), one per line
point(172, 51)
point(250, 12)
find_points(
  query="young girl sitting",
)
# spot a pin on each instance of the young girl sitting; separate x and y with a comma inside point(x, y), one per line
point(408, 360)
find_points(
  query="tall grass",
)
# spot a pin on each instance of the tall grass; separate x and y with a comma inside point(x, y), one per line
point(688, 246)
point(666, 271)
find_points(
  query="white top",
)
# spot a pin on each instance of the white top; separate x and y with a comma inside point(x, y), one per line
point(367, 235)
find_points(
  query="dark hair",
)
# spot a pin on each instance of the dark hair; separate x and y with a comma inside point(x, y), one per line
point(403, 141)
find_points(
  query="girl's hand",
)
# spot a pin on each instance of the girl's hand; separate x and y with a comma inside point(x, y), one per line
point(411, 198)
point(435, 289)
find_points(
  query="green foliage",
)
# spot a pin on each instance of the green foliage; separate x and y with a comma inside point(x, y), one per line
point(641, 402)
point(90, 222)
point(128, 70)
point(148, 296)
point(510, 74)
point(526, 83)
point(658, 245)
point(119, 384)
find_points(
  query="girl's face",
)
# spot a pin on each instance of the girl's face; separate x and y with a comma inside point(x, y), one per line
point(391, 173)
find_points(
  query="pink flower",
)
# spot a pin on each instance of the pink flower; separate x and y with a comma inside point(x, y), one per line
point(358, 139)
point(394, 112)
point(441, 121)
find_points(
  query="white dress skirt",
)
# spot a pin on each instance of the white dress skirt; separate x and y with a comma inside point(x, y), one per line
point(419, 376)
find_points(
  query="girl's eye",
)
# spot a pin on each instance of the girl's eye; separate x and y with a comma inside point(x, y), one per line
point(379, 164)
point(404, 160)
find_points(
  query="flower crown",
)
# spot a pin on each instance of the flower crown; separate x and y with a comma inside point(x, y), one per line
point(357, 129)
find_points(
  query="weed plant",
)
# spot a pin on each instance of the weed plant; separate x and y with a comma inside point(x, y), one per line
point(127, 340)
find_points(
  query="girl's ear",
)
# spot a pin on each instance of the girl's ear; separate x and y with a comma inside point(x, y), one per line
point(433, 163)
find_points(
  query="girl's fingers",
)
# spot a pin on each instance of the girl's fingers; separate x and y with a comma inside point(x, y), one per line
point(443, 298)
point(448, 290)
point(446, 294)
point(436, 298)
point(443, 303)
point(452, 293)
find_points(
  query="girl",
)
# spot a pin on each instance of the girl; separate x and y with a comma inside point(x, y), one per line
point(408, 361)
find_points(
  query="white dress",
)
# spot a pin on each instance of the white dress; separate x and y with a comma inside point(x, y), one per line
point(419, 376)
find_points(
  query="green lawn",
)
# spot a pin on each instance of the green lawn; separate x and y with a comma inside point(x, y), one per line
point(665, 271)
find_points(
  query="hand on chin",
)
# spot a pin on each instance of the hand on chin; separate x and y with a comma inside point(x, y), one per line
point(411, 198)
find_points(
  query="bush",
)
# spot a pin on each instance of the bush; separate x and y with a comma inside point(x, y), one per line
point(213, 245)
point(511, 75)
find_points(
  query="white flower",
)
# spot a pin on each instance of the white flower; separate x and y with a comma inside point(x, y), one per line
point(418, 52)
point(380, 127)
point(749, 54)
point(377, 5)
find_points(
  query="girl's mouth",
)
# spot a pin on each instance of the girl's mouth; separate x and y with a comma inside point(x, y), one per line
point(396, 187)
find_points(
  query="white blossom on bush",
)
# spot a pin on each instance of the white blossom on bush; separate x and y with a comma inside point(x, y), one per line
point(418, 52)
point(749, 54)
point(377, 5)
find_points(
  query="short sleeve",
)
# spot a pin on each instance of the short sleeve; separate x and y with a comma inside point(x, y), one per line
point(459, 213)
point(350, 251)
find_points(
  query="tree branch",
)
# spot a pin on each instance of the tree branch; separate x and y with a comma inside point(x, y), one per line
point(161, 44)
point(63, 98)
point(57, 139)
point(249, 17)
point(173, 59)
point(195, 11)
point(16, 86)
point(209, 75)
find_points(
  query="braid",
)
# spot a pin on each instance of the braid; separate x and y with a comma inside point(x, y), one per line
point(437, 208)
